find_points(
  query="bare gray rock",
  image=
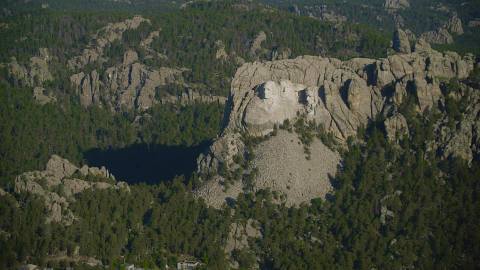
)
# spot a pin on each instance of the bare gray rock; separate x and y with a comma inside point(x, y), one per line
point(439, 36)
point(474, 23)
point(33, 73)
point(221, 54)
point(454, 25)
point(239, 234)
point(443, 34)
point(257, 43)
point(287, 171)
point(60, 167)
point(190, 97)
point(57, 185)
point(422, 46)
point(340, 95)
point(103, 37)
point(396, 4)
point(460, 138)
point(401, 42)
point(396, 126)
point(41, 97)
point(130, 85)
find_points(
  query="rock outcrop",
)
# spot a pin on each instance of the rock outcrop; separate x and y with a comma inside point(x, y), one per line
point(105, 36)
point(396, 126)
point(239, 236)
point(257, 43)
point(339, 95)
point(131, 84)
point(41, 97)
point(396, 4)
point(60, 181)
point(401, 42)
point(460, 137)
point(443, 34)
point(454, 25)
point(32, 74)
point(190, 96)
point(474, 23)
point(438, 36)
point(323, 13)
point(221, 54)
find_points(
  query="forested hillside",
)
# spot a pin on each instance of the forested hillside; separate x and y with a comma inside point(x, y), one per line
point(432, 221)
point(111, 109)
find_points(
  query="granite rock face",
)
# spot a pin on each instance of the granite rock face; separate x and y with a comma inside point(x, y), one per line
point(396, 126)
point(401, 42)
point(460, 137)
point(443, 34)
point(131, 84)
point(340, 95)
point(396, 4)
point(32, 74)
point(257, 43)
point(438, 36)
point(454, 25)
point(105, 36)
point(41, 97)
point(60, 181)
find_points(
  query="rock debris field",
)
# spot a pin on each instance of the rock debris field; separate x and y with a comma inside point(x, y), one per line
point(282, 166)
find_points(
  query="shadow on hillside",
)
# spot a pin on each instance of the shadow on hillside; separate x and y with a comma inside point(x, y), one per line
point(150, 164)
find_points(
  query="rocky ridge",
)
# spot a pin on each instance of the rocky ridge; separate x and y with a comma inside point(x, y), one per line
point(443, 34)
point(60, 182)
point(339, 95)
point(131, 84)
point(105, 36)
point(32, 74)
point(396, 4)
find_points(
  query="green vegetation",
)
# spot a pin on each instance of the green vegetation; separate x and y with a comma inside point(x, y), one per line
point(390, 209)
point(393, 206)
point(196, 28)
point(148, 225)
point(31, 133)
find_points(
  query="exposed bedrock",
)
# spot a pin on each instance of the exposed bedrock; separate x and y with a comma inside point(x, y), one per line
point(340, 95)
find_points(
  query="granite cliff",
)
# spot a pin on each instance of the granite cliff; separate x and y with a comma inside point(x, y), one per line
point(130, 84)
point(58, 184)
point(340, 96)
